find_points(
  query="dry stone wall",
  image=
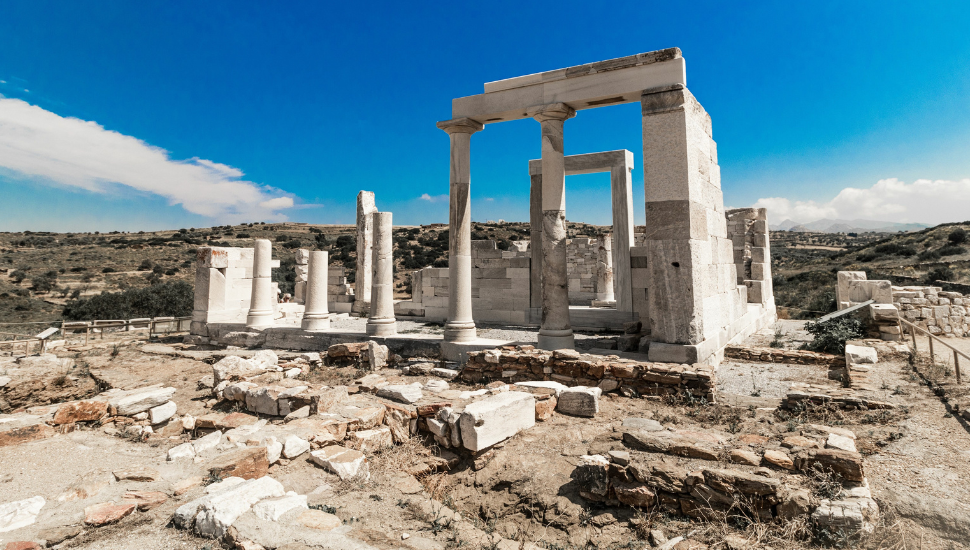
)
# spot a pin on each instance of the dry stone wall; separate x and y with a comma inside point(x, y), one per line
point(933, 309)
point(609, 373)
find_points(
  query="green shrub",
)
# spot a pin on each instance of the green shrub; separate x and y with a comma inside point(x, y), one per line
point(44, 283)
point(895, 248)
point(145, 265)
point(929, 255)
point(173, 299)
point(830, 336)
point(108, 270)
point(957, 236)
point(867, 256)
point(940, 274)
point(952, 250)
point(18, 276)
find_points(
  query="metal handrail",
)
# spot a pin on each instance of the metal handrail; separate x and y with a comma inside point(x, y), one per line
point(956, 353)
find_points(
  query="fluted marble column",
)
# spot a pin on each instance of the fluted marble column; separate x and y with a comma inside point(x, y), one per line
point(316, 316)
point(381, 321)
point(604, 270)
point(263, 299)
point(460, 326)
point(555, 331)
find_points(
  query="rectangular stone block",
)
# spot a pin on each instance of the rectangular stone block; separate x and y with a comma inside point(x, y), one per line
point(759, 254)
point(760, 271)
point(495, 419)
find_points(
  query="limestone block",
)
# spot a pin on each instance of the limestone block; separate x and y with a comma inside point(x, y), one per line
point(263, 401)
point(579, 401)
point(370, 441)
point(127, 403)
point(345, 463)
point(756, 291)
point(302, 256)
point(883, 312)
point(495, 419)
point(212, 257)
point(760, 271)
point(162, 413)
point(221, 510)
point(233, 367)
point(401, 393)
point(271, 509)
point(860, 354)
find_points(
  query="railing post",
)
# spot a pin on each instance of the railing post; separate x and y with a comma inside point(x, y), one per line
point(932, 356)
point(912, 332)
point(956, 365)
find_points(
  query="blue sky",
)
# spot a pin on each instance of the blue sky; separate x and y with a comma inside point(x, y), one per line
point(152, 115)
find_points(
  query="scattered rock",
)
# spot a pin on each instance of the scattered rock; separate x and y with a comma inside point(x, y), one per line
point(346, 463)
point(376, 355)
point(370, 441)
point(145, 500)
point(57, 535)
point(840, 442)
point(162, 413)
point(20, 513)
point(794, 503)
point(131, 402)
point(232, 368)
point(184, 486)
point(246, 463)
point(107, 512)
point(219, 511)
point(265, 358)
point(137, 473)
point(798, 441)
point(272, 508)
point(643, 424)
point(579, 401)
point(294, 446)
point(302, 412)
point(545, 408)
point(753, 439)
point(619, 457)
point(80, 411)
point(22, 545)
point(779, 458)
point(401, 393)
point(89, 485)
point(319, 520)
point(742, 456)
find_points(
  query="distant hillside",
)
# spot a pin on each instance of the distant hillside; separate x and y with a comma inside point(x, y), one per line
point(848, 226)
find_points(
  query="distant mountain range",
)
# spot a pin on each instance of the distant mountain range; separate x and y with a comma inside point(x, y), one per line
point(847, 226)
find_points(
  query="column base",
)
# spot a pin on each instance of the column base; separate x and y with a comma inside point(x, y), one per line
point(313, 324)
point(260, 319)
point(551, 340)
point(460, 332)
point(381, 327)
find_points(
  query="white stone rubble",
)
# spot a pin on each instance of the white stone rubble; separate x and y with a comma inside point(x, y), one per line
point(20, 513)
point(497, 418)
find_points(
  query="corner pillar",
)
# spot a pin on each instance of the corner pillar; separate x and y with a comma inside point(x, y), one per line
point(366, 206)
point(316, 316)
point(460, 326)
point(621, 185)
point(555, 331)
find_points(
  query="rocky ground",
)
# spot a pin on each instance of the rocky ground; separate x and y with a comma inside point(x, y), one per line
point(80, 476)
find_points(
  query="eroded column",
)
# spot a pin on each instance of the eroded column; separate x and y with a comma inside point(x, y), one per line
point(555, 331)
point(381, 321)
point(261, 305)
point(604, 271)
point(316, 316)
point(460, 326)
point(365, 240)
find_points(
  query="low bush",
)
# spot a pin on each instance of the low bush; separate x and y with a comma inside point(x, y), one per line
point(957, 236)
point(939, 274)
point(929, 255)
point(896, 249)
point(952, 250)
point(830, 336)
point(173, 299)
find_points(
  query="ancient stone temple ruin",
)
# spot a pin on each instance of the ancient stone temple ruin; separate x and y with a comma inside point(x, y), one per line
point(696, 277)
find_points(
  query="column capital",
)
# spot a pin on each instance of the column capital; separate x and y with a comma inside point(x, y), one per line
point(461, 126)
point(663, 99)
point(551, 111)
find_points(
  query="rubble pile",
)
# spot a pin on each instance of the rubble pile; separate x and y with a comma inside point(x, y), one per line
point(608, 373)
point(786, 356)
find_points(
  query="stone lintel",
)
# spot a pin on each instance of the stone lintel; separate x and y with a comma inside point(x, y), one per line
point(663, 99)
point(460, 126)
point(590, 163)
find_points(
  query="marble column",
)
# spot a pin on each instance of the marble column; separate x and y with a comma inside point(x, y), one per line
point(460, 326)
point(604, 270)
point(381, 321)
point(365, 242)
point(263, 300)
point(621, 184)
point(315, 314)
point(555, 331)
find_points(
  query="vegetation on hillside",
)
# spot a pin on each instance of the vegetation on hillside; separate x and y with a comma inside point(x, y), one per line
point(172, 299)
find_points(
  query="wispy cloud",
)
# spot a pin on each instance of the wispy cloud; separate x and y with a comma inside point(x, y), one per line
point(433, 198)
point(37, 144)
point(926, 201)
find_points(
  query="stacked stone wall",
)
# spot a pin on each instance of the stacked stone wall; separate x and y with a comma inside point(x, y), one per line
point(931, 308)
point(748, 230)
point(609, 373)
point(793, 357)
point(581, 257)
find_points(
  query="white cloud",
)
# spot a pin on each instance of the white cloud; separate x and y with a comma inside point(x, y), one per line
point(923, 201)
point(435, 198)
point(38, 144)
